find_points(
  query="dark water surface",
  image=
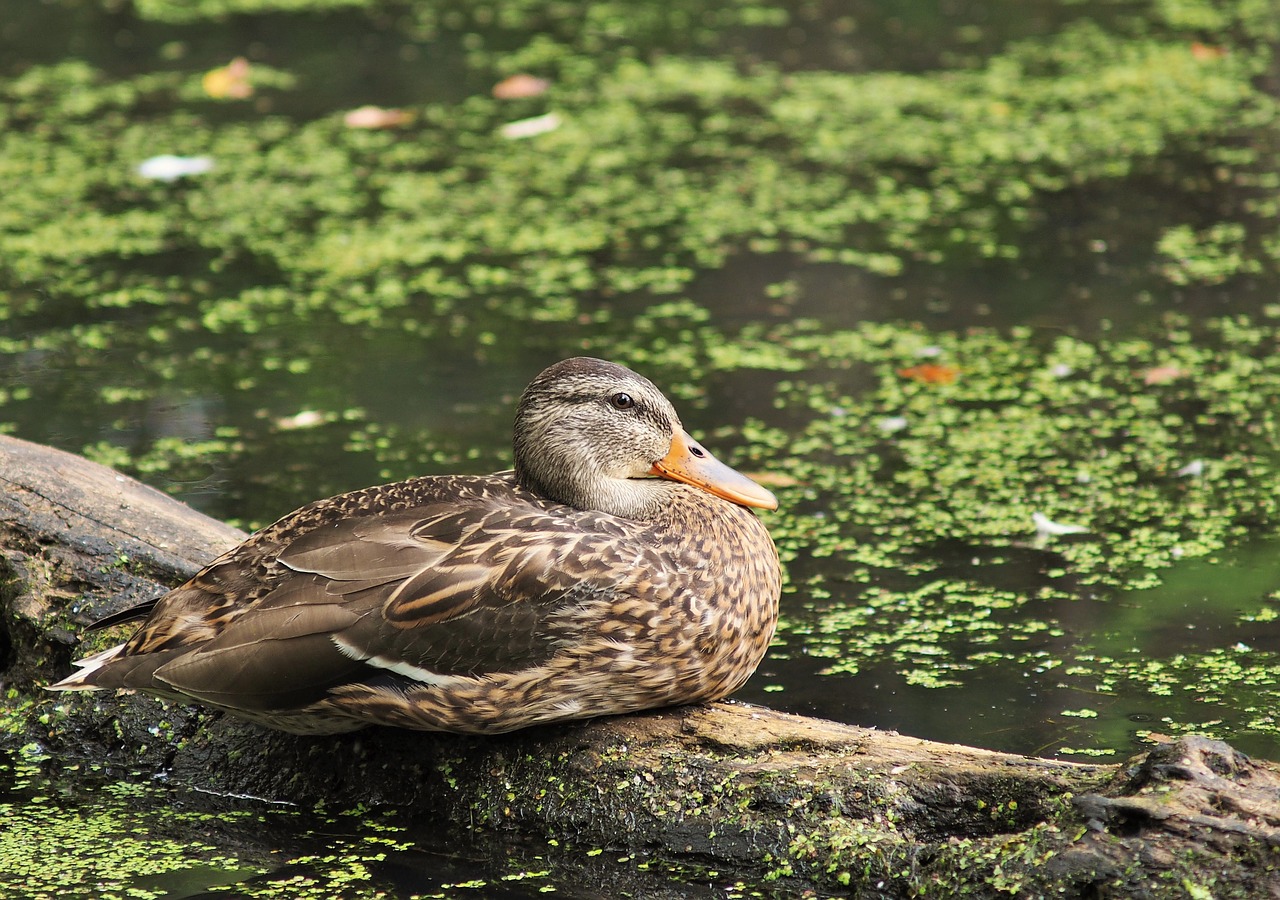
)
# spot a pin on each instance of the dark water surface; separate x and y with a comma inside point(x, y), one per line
point(146, 839)
point(1017, 706)
point(400, 403)
point(1085, 271)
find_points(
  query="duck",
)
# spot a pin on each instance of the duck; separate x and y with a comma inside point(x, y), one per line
point(618, 567)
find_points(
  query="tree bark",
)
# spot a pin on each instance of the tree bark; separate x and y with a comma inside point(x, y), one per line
point(761, 793)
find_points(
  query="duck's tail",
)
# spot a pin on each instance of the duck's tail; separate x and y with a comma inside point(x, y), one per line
point(83, 679)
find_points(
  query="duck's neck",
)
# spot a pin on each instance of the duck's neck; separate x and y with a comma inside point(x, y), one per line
point(638, 499)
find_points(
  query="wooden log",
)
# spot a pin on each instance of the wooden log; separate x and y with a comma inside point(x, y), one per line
point(752, 791)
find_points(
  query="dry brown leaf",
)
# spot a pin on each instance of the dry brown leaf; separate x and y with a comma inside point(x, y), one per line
point(1162, 374)
point(1206, 52)
point(376, 117)
point(520, 86)
point(229, 82)
point(931, 373)
point(773, 479)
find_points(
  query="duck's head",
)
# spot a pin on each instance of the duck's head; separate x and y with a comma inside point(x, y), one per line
point(595, 435)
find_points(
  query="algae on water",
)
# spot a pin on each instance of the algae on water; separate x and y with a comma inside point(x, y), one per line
point(746, 202)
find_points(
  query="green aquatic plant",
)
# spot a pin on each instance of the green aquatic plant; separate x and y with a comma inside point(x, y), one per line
point(662, 165)
point(198, 332)
point(105, 844)
point(917, 501)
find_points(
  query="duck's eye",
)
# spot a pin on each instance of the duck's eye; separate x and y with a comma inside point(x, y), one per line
point(622, 401)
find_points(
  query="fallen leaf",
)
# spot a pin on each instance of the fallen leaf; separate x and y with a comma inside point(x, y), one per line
point(376, 117)
point(308, 418)
point(168, 167)
point(230, 82)
point(773, 479)
point(519, 86)
point(1205, 52)
point(1161, 374)
point(931, 373)
point(527, 128)
point(1046, 527)
point(1193, 469)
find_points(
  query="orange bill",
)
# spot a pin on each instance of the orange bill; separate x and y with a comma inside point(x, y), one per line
point(687, 461)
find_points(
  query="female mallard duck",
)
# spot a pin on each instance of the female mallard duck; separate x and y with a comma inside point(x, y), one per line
point(576, 585)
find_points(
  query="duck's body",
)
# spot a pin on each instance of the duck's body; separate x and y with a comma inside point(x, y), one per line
point(571, 587)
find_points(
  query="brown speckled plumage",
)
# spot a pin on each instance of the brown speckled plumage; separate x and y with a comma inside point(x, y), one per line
point(574, 586)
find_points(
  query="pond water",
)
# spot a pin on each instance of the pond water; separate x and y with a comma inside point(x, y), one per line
point(142, 838)
point(920, 345)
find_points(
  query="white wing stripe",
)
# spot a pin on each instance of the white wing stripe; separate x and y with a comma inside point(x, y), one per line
point(400, 667)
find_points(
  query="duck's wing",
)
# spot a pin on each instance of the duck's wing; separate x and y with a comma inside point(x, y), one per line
point(416, 597)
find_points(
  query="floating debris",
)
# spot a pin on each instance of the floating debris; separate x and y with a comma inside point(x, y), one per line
point(931, 373)
point(775, 479)
point(1207, 52)
point(527, 128)
point(1046, 527)
point(1162, 374)
point(229, 82)
point(1193, 469)
point(376, 117)
point(168, 167)
point(519, 86)
point(308, 418)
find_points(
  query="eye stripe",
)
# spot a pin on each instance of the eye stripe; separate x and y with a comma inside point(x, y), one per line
point(644, 410)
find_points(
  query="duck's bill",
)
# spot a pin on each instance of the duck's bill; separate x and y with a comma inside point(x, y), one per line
point(687, 461)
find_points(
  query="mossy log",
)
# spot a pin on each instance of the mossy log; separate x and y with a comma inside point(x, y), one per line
point(756, 792)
